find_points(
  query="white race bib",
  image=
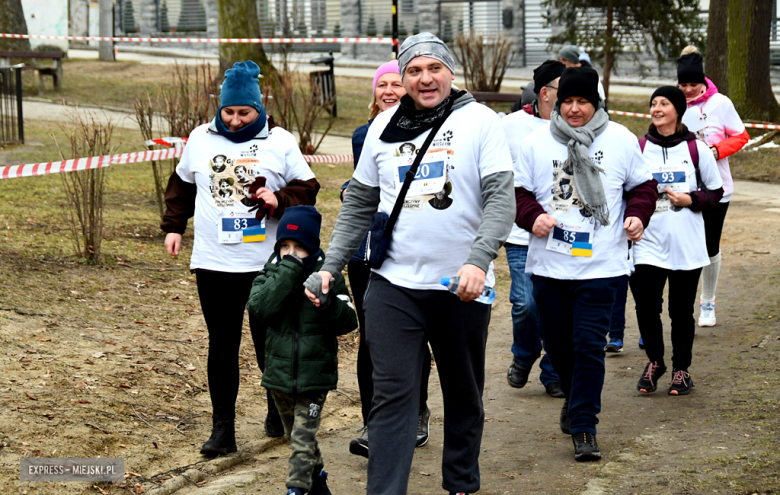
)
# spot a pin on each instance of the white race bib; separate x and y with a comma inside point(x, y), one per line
point(572, 239)
point(431, 175)
point(671, 177)
point(236, 227)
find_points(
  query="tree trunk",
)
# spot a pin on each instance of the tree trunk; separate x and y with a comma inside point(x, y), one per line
point(12, 21)
point(750, 86)
point(718, 45)
point(608, 49)
point(238, 19)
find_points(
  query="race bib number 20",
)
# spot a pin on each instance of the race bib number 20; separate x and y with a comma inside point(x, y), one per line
point(430, 177)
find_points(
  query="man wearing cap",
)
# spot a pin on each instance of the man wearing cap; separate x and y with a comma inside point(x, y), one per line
point(527, 343)
point(579, 251)
point(406, 306)
point(570, 56)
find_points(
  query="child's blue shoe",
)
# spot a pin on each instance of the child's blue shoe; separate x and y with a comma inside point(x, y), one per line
point(319, 485)
point(294, 491)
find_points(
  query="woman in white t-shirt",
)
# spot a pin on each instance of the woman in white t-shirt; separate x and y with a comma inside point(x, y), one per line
point(235, 228)
point(673, 247)
point(725, 134)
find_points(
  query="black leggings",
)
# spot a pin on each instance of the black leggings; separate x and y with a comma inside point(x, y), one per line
point(358, 279)
point(647, 286)
point(713, 227)
point(223, 297)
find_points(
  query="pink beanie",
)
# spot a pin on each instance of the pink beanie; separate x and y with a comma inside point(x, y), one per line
point(390, 67)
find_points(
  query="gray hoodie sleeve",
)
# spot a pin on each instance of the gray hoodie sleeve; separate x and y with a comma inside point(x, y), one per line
point(357, 212)
point(498, 215)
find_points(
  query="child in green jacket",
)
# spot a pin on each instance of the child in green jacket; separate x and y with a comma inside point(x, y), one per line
point(301, 362)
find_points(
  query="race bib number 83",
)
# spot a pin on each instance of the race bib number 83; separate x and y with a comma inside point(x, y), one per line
point(238, 227)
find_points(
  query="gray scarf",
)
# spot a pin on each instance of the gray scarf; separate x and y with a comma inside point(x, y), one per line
point(586, 173)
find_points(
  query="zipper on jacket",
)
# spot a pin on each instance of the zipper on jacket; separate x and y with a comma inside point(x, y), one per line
point(295, 351)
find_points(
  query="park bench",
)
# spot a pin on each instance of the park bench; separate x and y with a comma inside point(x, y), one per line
point(55, 71)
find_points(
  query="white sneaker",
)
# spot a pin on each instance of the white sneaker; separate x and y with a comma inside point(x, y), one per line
point(707, 315)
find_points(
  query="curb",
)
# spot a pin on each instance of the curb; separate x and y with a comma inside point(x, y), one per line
point(216, 466)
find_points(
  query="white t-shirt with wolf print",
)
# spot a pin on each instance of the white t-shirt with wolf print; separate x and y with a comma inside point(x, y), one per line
point(222, 171)
point(443, 210)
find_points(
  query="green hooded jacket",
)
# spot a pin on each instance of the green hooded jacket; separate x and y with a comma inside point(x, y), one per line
point(301, 350)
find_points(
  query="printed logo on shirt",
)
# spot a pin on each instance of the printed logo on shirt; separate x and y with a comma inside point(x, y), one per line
point(252, 151)
point(444, 140)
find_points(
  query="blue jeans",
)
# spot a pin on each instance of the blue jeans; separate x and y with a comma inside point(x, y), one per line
point(617, 327)
point(526, 330)
point(576, 315)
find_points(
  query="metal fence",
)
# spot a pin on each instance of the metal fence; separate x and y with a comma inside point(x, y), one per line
point(11, 121)
point(173, 16)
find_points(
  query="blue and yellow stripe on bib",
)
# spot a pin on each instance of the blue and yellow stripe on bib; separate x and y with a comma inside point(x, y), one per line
point(584, 249)
point(254, 234)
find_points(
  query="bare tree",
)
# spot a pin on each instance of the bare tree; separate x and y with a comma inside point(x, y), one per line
point(239, 19)
point(750, 87)
point(12, 21)
point(718, 45)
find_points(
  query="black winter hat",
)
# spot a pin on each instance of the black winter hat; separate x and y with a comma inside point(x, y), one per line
point(690, 69)
point(302, 225)
point(548, 71)
point(674, 95)
point(579, 81)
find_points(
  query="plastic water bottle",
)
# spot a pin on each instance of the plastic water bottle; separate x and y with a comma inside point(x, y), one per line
point(487, 297)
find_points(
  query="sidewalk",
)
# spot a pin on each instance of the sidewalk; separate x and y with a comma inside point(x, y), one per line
point(514, 81)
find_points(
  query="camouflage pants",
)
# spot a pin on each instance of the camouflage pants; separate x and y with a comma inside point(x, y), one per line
point(301, 416)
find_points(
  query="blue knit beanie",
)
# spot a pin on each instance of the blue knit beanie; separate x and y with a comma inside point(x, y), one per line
point(302, 225)
point(241, 86)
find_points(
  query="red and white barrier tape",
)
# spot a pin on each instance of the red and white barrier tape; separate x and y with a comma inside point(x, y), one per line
point(646, 116)
point(168, 142)
point(32, 169)
point(274, 41)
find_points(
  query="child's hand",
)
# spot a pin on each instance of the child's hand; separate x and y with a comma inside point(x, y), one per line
point(317, 287)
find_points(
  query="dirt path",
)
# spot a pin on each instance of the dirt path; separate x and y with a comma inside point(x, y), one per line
point(720, 438)
point(124, 376)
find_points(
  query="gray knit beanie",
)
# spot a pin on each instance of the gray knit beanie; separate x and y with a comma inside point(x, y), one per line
point(570, 53)
point(424, 45)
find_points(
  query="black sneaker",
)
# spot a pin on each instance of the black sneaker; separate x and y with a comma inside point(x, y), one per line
point(649, 381)
point(565, 424)
point(681, 382)
point(319, 485)
point(359, 445)
point(517, 376)
point(586, 448)
point(554, 389)
point(423, 422)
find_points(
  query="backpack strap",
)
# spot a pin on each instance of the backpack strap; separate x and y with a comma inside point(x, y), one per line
point(694, 151)
point(642, 143)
